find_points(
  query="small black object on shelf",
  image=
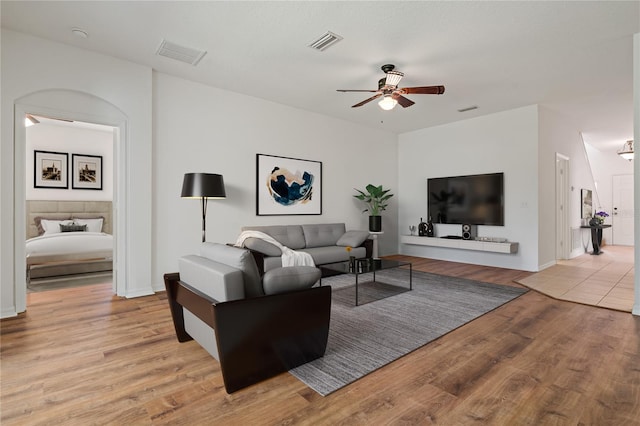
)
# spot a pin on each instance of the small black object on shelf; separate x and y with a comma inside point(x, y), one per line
point(422, 229)
point(430, 231)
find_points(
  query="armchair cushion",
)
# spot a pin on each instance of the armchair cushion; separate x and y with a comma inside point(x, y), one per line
point(237, 258)
point(281, 280)
point(352, 238)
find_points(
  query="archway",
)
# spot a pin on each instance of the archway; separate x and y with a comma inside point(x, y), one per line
point(79, 106)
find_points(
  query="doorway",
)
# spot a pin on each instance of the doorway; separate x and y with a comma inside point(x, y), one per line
point(76, 106)
point(77, 199)
point(623, 210)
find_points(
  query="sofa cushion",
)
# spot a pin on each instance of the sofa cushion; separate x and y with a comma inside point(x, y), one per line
point(280, 280)
point(262, 246)
point(237, 258)
point(322, 255)
point(323, 234)
point(352, 238)
point(287, 235)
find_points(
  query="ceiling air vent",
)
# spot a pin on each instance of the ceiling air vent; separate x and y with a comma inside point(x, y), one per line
point(180, 53)
point(325, 41)
point(471, 108)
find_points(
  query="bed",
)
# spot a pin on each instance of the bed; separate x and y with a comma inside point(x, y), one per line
point(68, 238)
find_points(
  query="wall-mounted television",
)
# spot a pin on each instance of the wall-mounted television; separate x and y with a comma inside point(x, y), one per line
point(473, 199)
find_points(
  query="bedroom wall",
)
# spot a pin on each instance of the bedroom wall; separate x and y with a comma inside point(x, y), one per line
point(69, 140)
point(492, 143)
point(203, 129)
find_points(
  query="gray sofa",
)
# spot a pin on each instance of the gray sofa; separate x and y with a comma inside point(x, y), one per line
point(255, 326)
point(325, 242)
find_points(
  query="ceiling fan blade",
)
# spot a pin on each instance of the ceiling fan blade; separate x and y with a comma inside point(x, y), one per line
point(355, 90)
point(424, 90)
point(404, 102)
point(367, 100)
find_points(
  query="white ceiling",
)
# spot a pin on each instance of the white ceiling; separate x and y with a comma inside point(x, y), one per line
point(572, 57)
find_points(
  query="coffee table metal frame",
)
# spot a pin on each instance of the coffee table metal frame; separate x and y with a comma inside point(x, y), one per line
point(365, 266)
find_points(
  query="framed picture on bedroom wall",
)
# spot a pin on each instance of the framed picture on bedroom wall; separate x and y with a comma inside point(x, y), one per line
point(50, 169)
point(288, 186)
point(87, 171)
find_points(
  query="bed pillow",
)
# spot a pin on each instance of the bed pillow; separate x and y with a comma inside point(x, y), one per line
point(93, 225)
point(73, 228)
point(53, 226)
point(38, 220)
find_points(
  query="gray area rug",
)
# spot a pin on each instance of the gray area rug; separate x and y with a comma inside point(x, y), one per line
point(366, 337)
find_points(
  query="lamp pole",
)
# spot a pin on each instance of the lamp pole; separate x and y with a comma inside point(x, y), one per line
point(203, 203)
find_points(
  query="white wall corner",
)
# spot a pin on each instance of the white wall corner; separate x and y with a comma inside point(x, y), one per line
point(636, 165)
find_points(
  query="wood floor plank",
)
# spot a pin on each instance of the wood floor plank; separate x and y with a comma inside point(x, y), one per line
point(84, 356)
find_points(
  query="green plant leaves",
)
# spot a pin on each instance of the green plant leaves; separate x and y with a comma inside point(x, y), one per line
point(376, 198)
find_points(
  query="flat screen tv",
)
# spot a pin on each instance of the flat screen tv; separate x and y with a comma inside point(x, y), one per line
point(474, 199)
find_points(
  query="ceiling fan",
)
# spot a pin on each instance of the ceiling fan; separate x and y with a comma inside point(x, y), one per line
point(391, 94)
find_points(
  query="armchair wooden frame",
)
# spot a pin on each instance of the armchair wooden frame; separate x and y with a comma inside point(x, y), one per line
point(258, 337)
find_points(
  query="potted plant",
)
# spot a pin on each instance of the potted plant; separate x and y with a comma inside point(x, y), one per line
point(376, 198)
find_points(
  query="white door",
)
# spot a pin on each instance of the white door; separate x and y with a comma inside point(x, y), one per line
point(623, 210)
point(563, 246)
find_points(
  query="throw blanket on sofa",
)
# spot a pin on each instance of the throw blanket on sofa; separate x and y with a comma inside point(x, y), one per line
point(289, 257)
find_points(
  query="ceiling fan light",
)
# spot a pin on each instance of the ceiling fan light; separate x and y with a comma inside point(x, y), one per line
point(393, 78)
point(387, 103)
point(627, 151)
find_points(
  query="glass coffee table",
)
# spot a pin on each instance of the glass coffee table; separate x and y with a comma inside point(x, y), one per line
point(370, 266)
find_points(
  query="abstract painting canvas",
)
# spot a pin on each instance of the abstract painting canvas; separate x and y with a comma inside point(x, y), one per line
point(288, 186)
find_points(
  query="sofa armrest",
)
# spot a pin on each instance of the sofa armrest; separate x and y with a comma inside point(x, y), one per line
point(368, 245)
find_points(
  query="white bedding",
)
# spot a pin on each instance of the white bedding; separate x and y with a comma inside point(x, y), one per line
point(69, 246)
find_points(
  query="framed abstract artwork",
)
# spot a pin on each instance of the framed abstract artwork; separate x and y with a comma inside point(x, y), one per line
point(586, 204)
point(87, 171)
point(50, 169)
point(288, 186)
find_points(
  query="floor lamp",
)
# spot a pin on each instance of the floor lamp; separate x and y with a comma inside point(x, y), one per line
point(203, 186)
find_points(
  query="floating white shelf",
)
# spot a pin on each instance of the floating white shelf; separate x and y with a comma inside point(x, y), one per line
point(490, 246)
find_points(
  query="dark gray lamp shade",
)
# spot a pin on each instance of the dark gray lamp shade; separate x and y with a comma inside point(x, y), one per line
point(203, 185)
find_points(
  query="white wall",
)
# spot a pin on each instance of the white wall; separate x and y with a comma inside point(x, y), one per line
point(636, 165)
point(559, 135)
point(503, 142)
point(69, 140)
point(75, 79)
point(203, 129)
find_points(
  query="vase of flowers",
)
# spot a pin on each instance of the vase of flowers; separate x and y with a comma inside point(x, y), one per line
point(599, 217)
point(352, 259)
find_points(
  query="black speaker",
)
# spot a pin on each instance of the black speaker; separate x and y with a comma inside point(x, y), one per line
point(469, 232)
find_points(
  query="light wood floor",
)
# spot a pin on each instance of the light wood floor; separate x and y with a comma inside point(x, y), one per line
point(606, 280)
point(83, 356)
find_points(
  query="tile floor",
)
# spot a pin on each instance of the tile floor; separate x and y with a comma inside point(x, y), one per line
point(606, 280)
